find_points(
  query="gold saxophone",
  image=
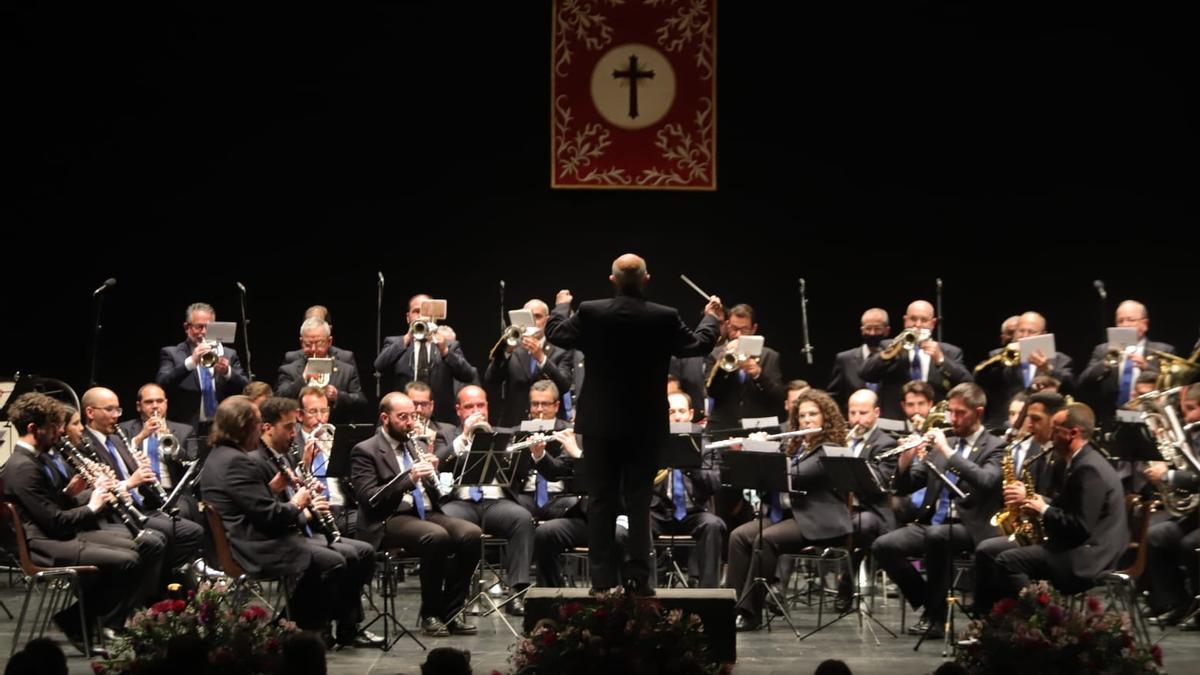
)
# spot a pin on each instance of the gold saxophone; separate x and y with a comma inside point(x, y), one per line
point(1020, 528)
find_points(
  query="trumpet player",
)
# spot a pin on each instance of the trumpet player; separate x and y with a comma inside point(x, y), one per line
point(62, 531)
point(1085, 527)
point(153, 434)
point(346, 565)
point(1001, 382)
point(101, 410)
point(914, 355)
point(1028, 460)
point(1111, 372)
point(516, 366)
point(434, 360)
point(970, 458)
point(394, 512)
point(846, 377)
point(1173, 539)
point(320, 312)
point(755, 387)
point(342, 387)
point(197, 373)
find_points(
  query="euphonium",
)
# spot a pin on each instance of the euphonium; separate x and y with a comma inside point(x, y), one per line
point(908, 340)
point(1171, 442)
point(1009, 356)
point(1174, 370)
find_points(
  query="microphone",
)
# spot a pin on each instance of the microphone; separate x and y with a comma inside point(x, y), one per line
point(1099, 286)
point(108, 283)
point(380, 279)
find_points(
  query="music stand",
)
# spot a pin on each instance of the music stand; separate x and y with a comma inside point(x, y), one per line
point(956, 495)
point(488, 463)
point(345, 437)
point(764, 472)
point(681, 451)
point(850, 475)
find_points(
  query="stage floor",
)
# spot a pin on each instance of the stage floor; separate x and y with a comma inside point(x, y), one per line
point(759, 652)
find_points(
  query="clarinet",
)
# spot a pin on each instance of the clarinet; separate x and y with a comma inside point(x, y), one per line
point(138, 457)
point(328, 523)
point(131, 518)
point(430, 484)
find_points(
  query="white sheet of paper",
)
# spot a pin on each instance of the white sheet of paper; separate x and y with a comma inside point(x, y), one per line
point(222, 331)
point(685, 428)
point(537, 425)
point(317, 366)
point(1129, 416)
point(433, 309)
point(520, 317)
point(1031, 344)
point(1121, 337)
point(759, 422)
point(891, 425)
point(750, 345)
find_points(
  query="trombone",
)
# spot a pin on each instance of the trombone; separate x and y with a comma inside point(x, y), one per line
point(1009, 356)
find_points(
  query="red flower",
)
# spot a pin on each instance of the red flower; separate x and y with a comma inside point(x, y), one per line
point(1043, 598)
point(97, 668)
point(1093, 604)
point(1003, 607)
point(162, 606)
point(1156, 653)
point(178, 606)
point(549, 638)
point(569, 610)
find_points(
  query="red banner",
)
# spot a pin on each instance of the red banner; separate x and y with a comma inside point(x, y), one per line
point(633, 100)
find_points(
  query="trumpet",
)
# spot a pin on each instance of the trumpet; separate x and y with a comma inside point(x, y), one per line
point(1009, 356)
point(1112, 358)
point(168, 445)
point(140, 457)
point(908, 340)
point(209, 358)
point(511, 337)
point(91, 470)
point(422, 328)
point(935, 420)
point(730, 361)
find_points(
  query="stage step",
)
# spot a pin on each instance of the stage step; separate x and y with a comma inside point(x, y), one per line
point(714, 606)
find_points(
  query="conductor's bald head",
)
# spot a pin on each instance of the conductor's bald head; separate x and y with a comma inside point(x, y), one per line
point(629, 275)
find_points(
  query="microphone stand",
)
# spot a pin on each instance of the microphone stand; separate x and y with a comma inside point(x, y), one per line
point(808, 348)
point(940, 317)
point(98, 296)
point(378, 332)
point(245, 329)
point(1101, 291)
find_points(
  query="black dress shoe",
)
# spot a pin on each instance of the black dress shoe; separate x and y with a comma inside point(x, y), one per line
point(743, 623)
point(929, 628)
point(364, 639)
point(459, 626)
point(1169, 617)
point(516, 607)
point(433, 627)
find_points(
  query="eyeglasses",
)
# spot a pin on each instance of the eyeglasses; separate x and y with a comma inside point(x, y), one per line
point(542, 404)
point(197, 326)
point(403, 417)
point(110, 409)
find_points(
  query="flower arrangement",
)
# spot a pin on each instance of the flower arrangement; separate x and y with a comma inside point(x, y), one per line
point(1040, 633)
point(238, 637)
point(616, 633)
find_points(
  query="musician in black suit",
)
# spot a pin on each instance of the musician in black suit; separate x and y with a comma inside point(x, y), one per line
point(938, 363)
point(320, 312)
point(872, 518)
point(343, 389)
point(515, 368)
point(406, 512)
point(436, 435)
point(1110, 387)
point(681, 505)
point(971, 457)
point(1086, 527)
point(144, 432)
point(195, 388)
point(434, 360)
point(1002, 382)
point(185, 539)
point(810, 513)
point(689, 378)
point(628, 343)
point(313, 443)
point(1173, 539)
point(846, 377)
point(355, 558)
point(755, 388)
point(1028, 461)
point(61, 531)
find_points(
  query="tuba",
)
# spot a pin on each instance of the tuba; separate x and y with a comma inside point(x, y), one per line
point(1169, 437)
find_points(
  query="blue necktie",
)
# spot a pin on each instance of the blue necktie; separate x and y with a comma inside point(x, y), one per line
point(679, 495)
point(476, 493)
point(319, 465)
point(152, 453)
point(418, 498)
point(541, 493)
point(915, 371)
point(1126, 388)
point(873, 386)
point(1028, 372)
point(533, 365)
point(776, 508)
point(112, 450)
point(567, 404)
point(62, 467)
point(742, 376)
point(943, 508)
point(208, 393)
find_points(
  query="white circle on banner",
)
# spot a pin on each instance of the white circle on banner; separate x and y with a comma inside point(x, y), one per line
point(633, 86)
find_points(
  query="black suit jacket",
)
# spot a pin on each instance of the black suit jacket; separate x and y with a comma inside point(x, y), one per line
point(183, 386)
point(1001, 383)
point(147, 494)
point(265, 533)
point(690, 373)
point(1086, 527)
point(846, 377)
point(894, 374)
point(1100, 383)
point(397, 360)
point(700, 483)
point(628, 343)
point(351, 402)
point(980, 475)
point(181, 432)
point(512, 371)
point(372, 464)
point(45, 510)
point(734, 399)
point(877, 442)
point(820, 512)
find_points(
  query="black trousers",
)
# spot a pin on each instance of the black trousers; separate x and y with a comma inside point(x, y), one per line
point(990, 586)
point(934, 544)
point(501, 518)
point(344, 603)
point(1017, 567)
point(1171, 547)
point(745, 564)
point(553, 537)
point(616, 470)
point(704, 560)
point(449, 549)
point(185, 539)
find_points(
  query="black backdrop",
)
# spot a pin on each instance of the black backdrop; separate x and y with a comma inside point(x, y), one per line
point(1018, 151)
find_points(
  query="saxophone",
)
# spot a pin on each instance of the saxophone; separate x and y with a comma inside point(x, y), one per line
point(1019, 528)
